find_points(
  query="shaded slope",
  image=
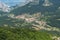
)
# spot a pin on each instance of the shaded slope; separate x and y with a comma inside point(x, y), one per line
point(37, 8)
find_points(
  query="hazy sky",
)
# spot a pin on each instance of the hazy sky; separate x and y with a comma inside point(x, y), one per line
point(12, 2)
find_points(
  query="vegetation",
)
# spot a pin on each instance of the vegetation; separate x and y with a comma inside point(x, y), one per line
point(19, 29)
point(7, 33)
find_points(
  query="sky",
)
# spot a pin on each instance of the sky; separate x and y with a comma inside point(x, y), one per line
point(12, 2)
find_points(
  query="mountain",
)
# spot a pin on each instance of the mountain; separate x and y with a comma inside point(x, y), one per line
point(51, 12)
point(44, 19)
point(19, 5)
point(4, 7)
point(28, 8)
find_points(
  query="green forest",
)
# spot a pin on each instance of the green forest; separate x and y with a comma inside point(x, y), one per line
point(7, 33)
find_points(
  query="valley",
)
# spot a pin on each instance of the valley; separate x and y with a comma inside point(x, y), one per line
point(33, 20)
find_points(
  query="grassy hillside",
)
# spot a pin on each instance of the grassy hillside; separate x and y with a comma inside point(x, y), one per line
point(7, 33)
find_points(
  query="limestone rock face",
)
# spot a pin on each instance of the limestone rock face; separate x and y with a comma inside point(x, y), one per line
point(47, 3)
point(4, 7)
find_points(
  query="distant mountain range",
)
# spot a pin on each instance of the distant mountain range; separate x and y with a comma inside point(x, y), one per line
point(37, 8)
point(26, 7)
point(4, 7)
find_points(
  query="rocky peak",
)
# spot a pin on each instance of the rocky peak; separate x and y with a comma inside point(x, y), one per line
point(4, 7)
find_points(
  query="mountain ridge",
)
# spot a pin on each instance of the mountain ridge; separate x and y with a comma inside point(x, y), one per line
point(37, 8)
